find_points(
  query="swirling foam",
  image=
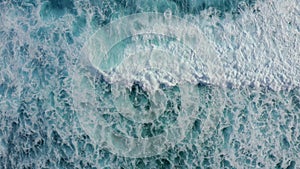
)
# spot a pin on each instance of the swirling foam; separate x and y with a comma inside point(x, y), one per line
point(249, 128)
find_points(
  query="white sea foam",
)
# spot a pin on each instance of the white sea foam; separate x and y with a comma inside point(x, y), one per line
point(233, 128)
point(181, 62)
point(247, 51)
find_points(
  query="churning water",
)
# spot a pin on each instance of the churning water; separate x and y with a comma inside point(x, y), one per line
point(149, 84)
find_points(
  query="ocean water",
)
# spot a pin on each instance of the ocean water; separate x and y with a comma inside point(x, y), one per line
point(149, 84)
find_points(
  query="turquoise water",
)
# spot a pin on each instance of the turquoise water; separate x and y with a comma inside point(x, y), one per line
point(224, 96)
